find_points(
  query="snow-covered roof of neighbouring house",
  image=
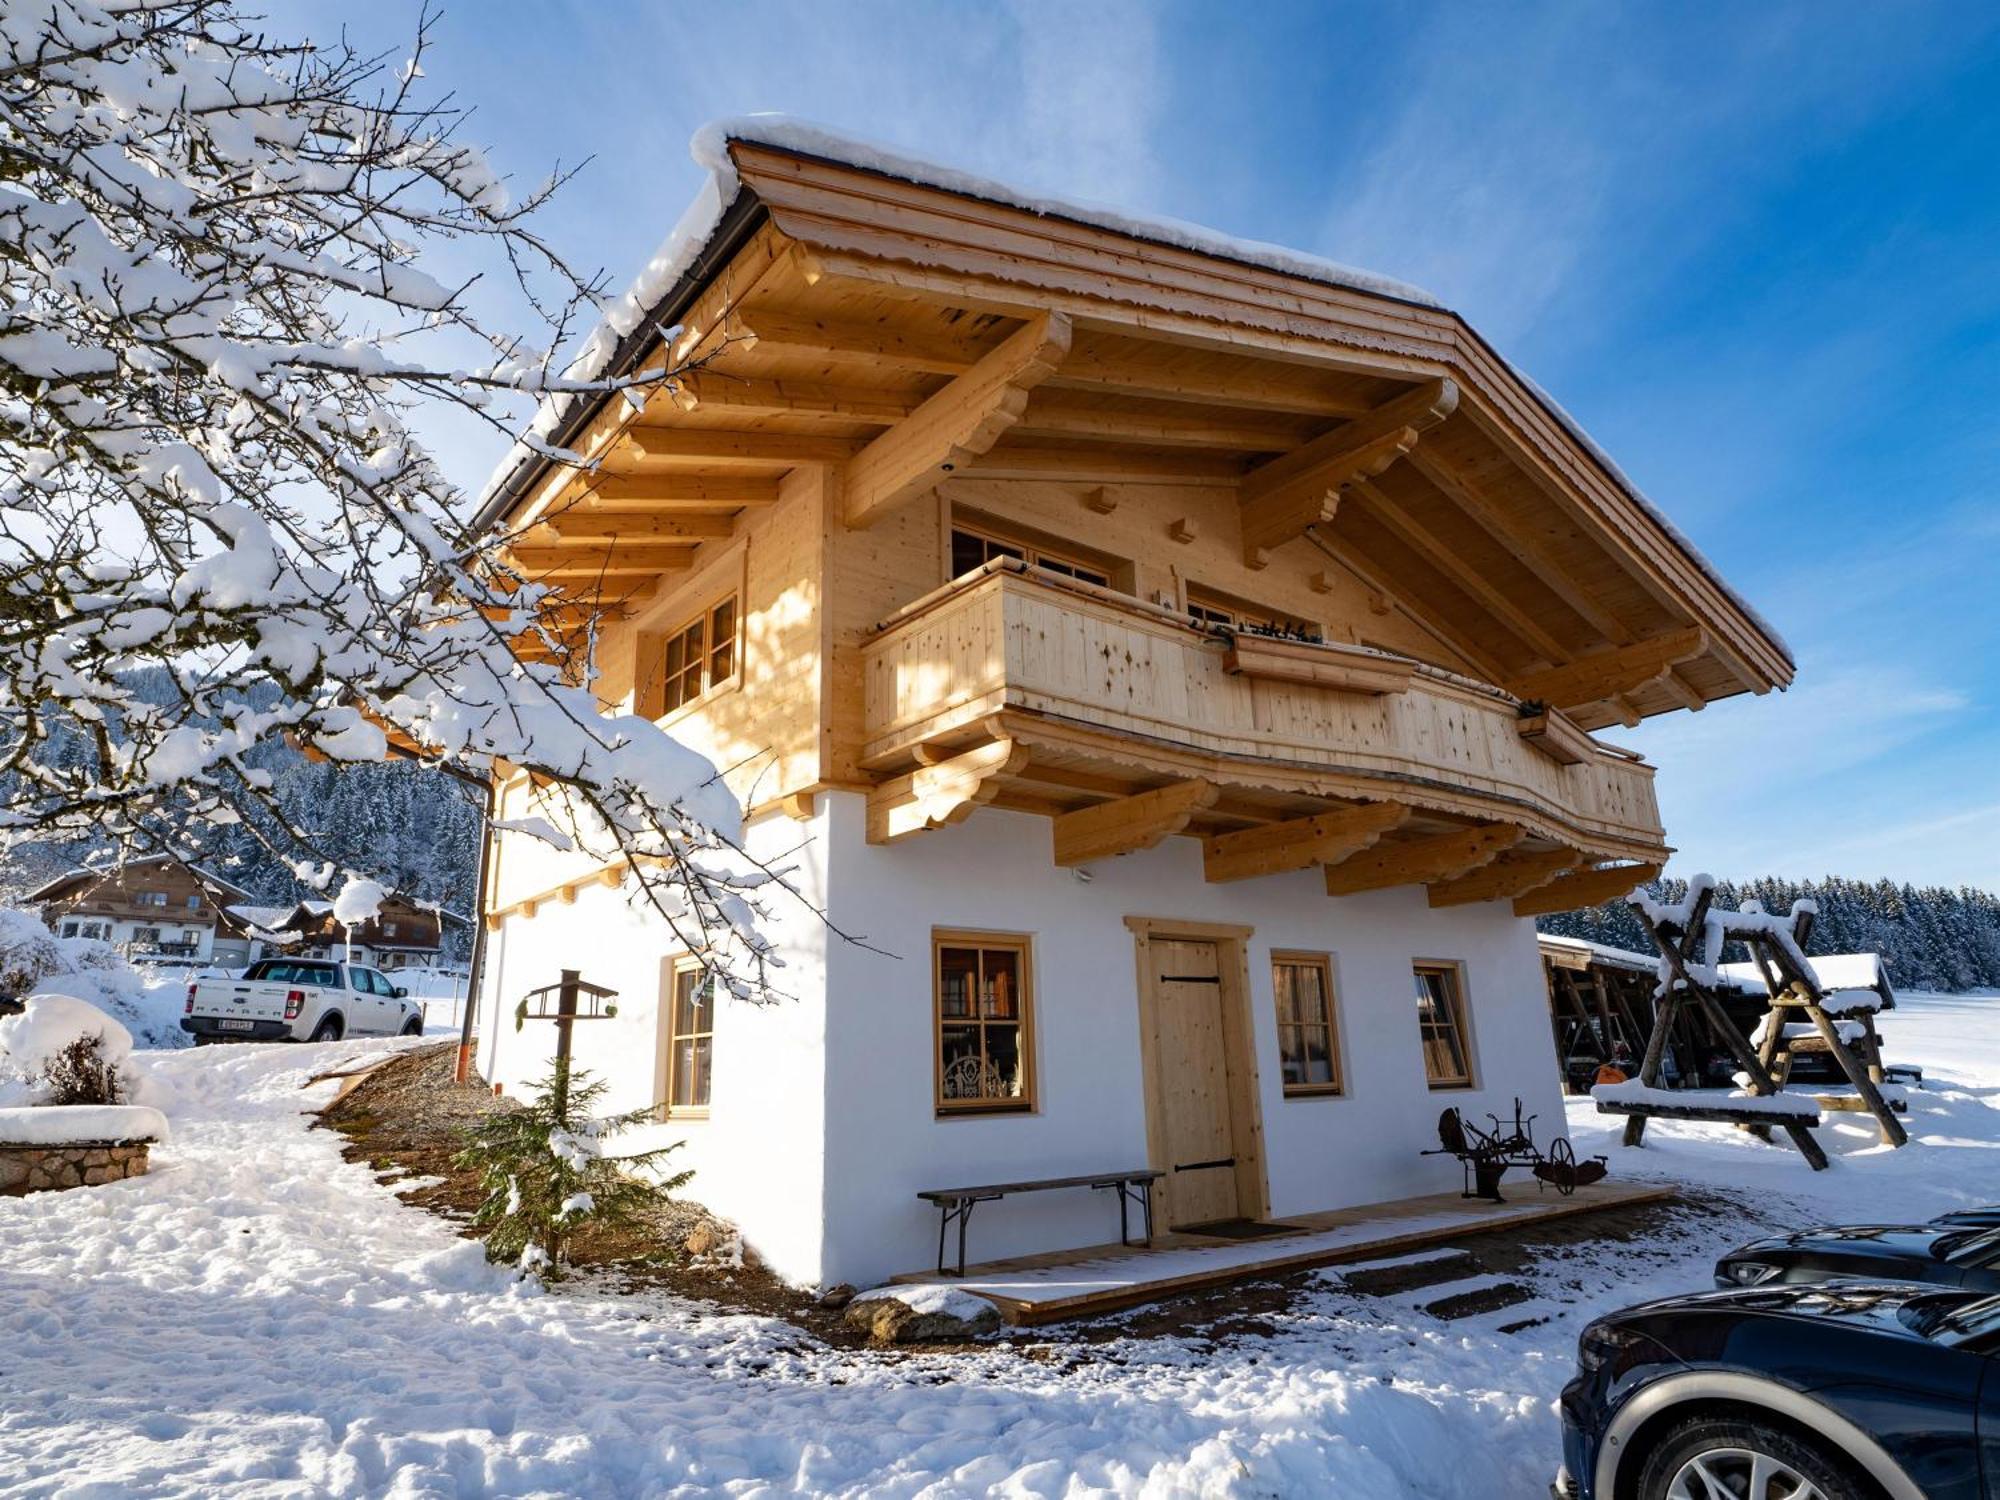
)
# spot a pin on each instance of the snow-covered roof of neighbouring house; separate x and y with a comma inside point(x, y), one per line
point(1834, 971)
point(613, 340)
point(1618, 958)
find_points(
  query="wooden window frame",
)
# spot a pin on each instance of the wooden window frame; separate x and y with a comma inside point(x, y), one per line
point(1033, 553)
point(1232, 613)
point(656, 656)
point(1323, 962)
point(1461, 1024)
point(671, 970)
point(1028, 1100)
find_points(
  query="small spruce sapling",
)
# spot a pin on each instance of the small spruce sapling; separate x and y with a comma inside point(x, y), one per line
point(546, 1175)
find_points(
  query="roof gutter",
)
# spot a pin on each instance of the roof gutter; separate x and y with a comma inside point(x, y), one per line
point(739, 221)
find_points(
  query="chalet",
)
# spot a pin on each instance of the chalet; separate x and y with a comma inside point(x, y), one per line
point(403, 935)
point(154, 907)
point(1180, 658)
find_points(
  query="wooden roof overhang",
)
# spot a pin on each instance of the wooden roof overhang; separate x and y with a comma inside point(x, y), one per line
point(902, 334)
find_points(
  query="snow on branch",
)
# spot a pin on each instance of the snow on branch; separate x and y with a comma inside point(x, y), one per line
point(220, 335)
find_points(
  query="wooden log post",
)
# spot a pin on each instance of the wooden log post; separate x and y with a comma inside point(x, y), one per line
point(565, 1023)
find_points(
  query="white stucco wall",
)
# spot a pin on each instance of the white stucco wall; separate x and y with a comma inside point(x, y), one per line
point(757, 1158)
point(823, 1128)
point(994, 871)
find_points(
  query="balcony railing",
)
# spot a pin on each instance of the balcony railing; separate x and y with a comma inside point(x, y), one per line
point(1007, 649)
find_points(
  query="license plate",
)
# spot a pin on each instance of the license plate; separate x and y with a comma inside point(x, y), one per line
point(237, 1025)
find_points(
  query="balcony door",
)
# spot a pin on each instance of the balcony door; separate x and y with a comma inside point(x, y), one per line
point(1201, 1093)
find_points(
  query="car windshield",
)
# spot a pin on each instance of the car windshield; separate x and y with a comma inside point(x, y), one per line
point(295, 971)
point(1948, 1321)
point(1971, 1248)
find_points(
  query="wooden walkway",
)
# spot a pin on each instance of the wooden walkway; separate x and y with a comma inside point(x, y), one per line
point(1084, 1283)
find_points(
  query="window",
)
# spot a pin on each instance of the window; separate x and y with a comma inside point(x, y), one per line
point(194, 903)
point(1308, 1038)
point(1213, 612)
point(690, 1038)
point(1441, 1024)
point(974, 549)
point(151, 898)
point(982, 1005)
point(699, 656)
point(388, 929)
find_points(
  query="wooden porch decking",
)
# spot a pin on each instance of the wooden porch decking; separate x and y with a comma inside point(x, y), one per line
point(1083, 1283)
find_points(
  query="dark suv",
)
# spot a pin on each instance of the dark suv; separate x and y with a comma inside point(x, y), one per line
point(1843, 1390)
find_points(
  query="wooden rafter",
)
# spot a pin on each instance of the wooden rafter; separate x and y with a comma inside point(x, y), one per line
point(1442, 556)
point(1439, 857)
point(1127, 824)
point(769, 330)
point(1581, 888)
point(938, 795)
point(577, 527)
point(1302, 488)
point(580, 562)
point(667, 492)
point(1276, 848)
point(652, 449)
point(1416, 603)
point(1131, 367)
point(1175, 424)
point(1107, 464)
point(957, 424)
point(716, 391)
point(1604, 675)
point(1512, 874)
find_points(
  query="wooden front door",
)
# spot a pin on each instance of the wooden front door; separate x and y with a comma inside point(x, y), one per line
point(1192, 1083)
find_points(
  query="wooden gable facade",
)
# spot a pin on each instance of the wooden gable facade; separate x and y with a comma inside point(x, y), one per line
point(962, 504)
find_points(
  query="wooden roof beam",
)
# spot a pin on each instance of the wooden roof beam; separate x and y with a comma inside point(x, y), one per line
point(1440, 857)
point(714, 391)
point(771, 331)
point(1062, 414)
point(574, 562)
point(1108, 465)
point(1277, 848)
point(649, 450)
point(1134, 368)
point(675, 492)
point(1453, 634)
point(1606, 675)
point(575, 527)
point(1282, 498)
point(1512, 874)
point(1439, 554)
point(957, 424)
point(1581, 888)
point(1128, 824)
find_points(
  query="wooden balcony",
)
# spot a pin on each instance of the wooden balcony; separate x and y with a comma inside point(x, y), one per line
point(1020, 688)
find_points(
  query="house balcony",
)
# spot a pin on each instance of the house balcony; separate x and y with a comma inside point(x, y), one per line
point(1017, 688)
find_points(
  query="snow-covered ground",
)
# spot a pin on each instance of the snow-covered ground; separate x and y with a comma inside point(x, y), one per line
point(259, 1318)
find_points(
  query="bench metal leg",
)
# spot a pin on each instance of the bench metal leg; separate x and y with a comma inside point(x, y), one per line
point(1130, 1193)
point(961, 1210)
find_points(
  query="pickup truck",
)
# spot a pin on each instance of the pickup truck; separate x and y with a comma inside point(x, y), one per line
point(299, 1000)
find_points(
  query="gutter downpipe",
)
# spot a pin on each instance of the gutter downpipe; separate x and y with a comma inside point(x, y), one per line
point(462, 1071)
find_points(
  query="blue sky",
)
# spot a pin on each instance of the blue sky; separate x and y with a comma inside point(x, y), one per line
point(1755, 249)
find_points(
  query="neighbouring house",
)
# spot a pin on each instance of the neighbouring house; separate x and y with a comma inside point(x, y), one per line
point(1179, 658)
point(155, 907)
point(403, 935)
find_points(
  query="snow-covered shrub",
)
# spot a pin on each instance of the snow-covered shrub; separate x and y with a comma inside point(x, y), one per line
point(29, 952)
point(62, 1050)
point(546, 1175)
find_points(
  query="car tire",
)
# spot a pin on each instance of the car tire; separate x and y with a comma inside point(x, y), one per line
point(1724, 1449)
point(414, 1026)
point(330, 1029)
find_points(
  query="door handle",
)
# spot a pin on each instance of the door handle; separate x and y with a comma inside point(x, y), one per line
point(1201, 1166)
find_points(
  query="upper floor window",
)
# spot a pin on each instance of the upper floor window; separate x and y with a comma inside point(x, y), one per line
point(699, 656)
point(1441, 1024)
point(151, 898)
point(1216, 612)
point(194, 903)
point(972, 549)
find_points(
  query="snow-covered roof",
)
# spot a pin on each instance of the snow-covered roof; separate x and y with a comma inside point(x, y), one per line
point(1618, 958)
point(1834, 971)
point(49, 888)
point(680, 254)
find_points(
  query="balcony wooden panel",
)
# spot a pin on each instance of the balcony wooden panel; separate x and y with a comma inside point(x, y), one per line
point(1008, 648)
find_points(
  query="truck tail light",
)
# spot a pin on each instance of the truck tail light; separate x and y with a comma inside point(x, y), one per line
point(294, 1000)
point(190, 1002)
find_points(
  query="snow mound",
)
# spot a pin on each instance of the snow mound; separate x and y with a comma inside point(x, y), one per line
point(74, 1124)
point(52, 1022)
point(930, 1299)
point(359, 901)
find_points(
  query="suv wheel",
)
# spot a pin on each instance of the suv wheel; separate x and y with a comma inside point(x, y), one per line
point(414, 1026)
point(329, 1029)
point(1711, 1456)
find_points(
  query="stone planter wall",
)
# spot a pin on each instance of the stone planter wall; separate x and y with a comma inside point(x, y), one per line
point(36, 1169)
